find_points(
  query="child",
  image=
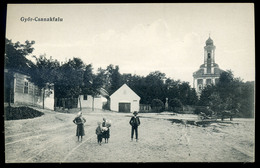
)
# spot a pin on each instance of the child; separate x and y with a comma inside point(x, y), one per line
point(99, 133)
point(106, 133)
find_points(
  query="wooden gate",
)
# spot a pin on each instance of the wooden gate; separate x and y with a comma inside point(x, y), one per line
point(124, 107)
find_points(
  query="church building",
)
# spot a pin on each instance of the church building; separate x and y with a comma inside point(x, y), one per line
point(209, 72)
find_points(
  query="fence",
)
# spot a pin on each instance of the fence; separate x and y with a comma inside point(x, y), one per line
point(68, 103)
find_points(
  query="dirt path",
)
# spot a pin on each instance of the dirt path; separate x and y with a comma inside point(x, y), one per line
point(51, 138)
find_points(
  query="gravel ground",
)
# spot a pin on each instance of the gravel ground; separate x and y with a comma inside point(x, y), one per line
point(51, 139)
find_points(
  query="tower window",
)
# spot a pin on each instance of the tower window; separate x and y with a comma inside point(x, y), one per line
point(208, 55)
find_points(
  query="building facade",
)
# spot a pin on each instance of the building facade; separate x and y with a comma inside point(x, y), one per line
point(87, 101)
point(21, 91)
point(124, 100)
point(209, 72)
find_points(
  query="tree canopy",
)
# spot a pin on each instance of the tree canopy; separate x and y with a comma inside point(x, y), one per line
point(74, 77)
point(228, 94)
point(15, 55)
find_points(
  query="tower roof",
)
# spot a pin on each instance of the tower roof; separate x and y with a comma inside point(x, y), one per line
point(209, 41)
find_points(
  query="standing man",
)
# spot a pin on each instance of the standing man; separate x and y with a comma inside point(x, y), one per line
point(134, 122)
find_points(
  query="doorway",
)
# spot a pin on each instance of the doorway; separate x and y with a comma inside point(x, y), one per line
point(124, 107)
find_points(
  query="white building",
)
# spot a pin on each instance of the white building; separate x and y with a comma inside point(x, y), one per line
point(209, 72)
point(124, 100)
point(87, 101)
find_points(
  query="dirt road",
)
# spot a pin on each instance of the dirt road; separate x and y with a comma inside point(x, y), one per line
point(51, 138)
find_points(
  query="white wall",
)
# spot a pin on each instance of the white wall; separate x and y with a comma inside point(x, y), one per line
point(98, 102)
point(48, 99)
point(124, 95)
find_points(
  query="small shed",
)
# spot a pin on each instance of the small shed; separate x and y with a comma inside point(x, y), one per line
point(124, 100)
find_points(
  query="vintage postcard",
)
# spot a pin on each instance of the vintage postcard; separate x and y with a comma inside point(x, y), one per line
point(119, 82)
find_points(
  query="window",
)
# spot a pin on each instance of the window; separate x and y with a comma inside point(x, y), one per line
point(200, 81)
point(208, 55)
point(26, 87)
point(85, 97)
point(208, 81)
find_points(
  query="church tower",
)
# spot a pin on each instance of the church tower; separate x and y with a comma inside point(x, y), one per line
point(209, 56)
point(209, 71)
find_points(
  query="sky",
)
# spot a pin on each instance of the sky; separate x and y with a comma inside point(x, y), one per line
point(141, 38)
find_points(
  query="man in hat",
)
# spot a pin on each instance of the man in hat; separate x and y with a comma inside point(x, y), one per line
point(134, 122)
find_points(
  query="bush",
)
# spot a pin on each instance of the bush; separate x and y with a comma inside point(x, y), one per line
point(157, 105)
point(17, 113)
point(175, 104)
point(202, 109)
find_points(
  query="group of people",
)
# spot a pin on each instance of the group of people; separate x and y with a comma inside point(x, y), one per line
point(102, 130)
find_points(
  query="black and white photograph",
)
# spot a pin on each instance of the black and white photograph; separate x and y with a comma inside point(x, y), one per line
point(129, 82)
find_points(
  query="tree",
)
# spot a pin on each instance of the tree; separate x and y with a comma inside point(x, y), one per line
point(247, 99)
point(192, 97)
point(92, 83)
point(156, 85)
point(114, 78)
point(45, 73)
point(226, 78)
point(96, 86)
point(205, 94)
point(175, 104)
point(216, 103)
point(70, 83)
point(157, 105)
point(155, 88)
point(16, 61)
point(15, 55)
point(230, 94)
point(184, 91)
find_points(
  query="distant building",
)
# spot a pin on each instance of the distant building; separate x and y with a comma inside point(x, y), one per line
point(19, 90)
point(124, 100)
point(87, 101)
point(209, 71)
